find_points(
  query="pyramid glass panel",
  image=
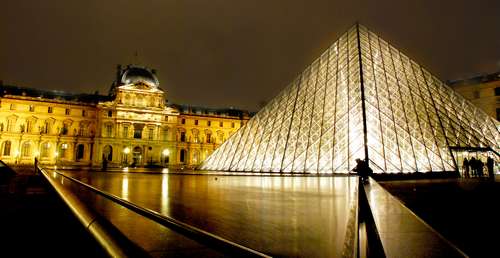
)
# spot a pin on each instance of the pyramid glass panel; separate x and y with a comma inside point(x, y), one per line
point(362, 98)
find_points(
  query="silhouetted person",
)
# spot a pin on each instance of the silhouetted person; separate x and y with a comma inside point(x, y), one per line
point(479, 167)
point(472, 164)
point(490, 164)
point(465, 167)
point(362, 169)
point(104, 163)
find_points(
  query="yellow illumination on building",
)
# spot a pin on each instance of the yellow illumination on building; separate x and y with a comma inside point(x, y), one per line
point(133, 126)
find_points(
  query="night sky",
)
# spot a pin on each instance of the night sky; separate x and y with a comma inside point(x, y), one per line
point(222, 53)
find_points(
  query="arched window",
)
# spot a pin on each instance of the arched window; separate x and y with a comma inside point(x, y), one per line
point(80, 150)
point(26, 149)
point(6, 148)
point(108, 152)
point(45, 150)
point(182, 156)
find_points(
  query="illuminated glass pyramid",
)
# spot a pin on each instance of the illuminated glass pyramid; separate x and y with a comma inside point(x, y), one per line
point(361, 99)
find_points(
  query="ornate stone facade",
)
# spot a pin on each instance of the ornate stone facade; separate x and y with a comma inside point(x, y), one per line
point(132, 126)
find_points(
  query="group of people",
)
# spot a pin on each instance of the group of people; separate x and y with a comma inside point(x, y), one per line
point(475, 167)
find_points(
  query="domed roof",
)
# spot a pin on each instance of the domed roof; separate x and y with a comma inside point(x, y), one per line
point(135, 74)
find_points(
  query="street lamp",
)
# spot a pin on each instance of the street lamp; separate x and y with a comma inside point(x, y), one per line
point(17, 156)
point(126, 151)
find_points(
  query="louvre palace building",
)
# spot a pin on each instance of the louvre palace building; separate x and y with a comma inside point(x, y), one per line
point(132, 126)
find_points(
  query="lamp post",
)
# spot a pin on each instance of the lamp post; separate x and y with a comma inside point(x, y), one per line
point(165, 153)
point(126, 151)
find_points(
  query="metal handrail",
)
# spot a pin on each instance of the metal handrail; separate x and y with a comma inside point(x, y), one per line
point(113, 242)
point(192, 232)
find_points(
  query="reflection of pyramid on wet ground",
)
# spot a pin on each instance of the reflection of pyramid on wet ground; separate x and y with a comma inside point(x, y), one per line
point(361, 98)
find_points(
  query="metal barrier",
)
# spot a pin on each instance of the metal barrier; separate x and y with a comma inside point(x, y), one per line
point(369, 244)
point(118, 245)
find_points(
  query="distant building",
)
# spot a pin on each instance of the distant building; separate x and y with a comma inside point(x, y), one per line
point(132, 126)
point(483, 91)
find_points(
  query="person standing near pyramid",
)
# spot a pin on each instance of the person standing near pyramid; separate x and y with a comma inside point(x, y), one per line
point(362, 169)
point(465, 167)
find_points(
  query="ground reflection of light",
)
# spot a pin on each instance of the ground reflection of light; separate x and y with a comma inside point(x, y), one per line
point(164, 171)
point(164, 195)
point(125, 187)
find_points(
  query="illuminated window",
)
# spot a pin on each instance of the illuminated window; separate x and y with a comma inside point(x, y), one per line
point(12, 106)
point(109, 130)
point(49, 109)
point(62, 150)
point(209, 123)
point(209, 137)
point(164, 134)
point(137, 132)
point(125, 131)
point(183, 137)
point(67, 112)
point(10, 125)
point(32, 108)
point(6, 148)
point(82, 131)
point(45, 150)
point(29, 125)
point(183, 121)
point(47, 127)
point(221, 124)
point(26, 149)
point(151, 133)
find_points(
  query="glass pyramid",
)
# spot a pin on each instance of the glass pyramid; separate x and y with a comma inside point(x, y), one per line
point(362, 98)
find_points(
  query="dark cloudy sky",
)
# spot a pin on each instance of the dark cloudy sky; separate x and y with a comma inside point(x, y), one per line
point(230, 52)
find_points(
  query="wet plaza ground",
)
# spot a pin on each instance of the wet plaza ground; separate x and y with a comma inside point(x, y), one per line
point(283, 216)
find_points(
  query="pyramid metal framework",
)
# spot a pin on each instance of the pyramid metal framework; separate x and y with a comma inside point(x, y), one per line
point(361, 99)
